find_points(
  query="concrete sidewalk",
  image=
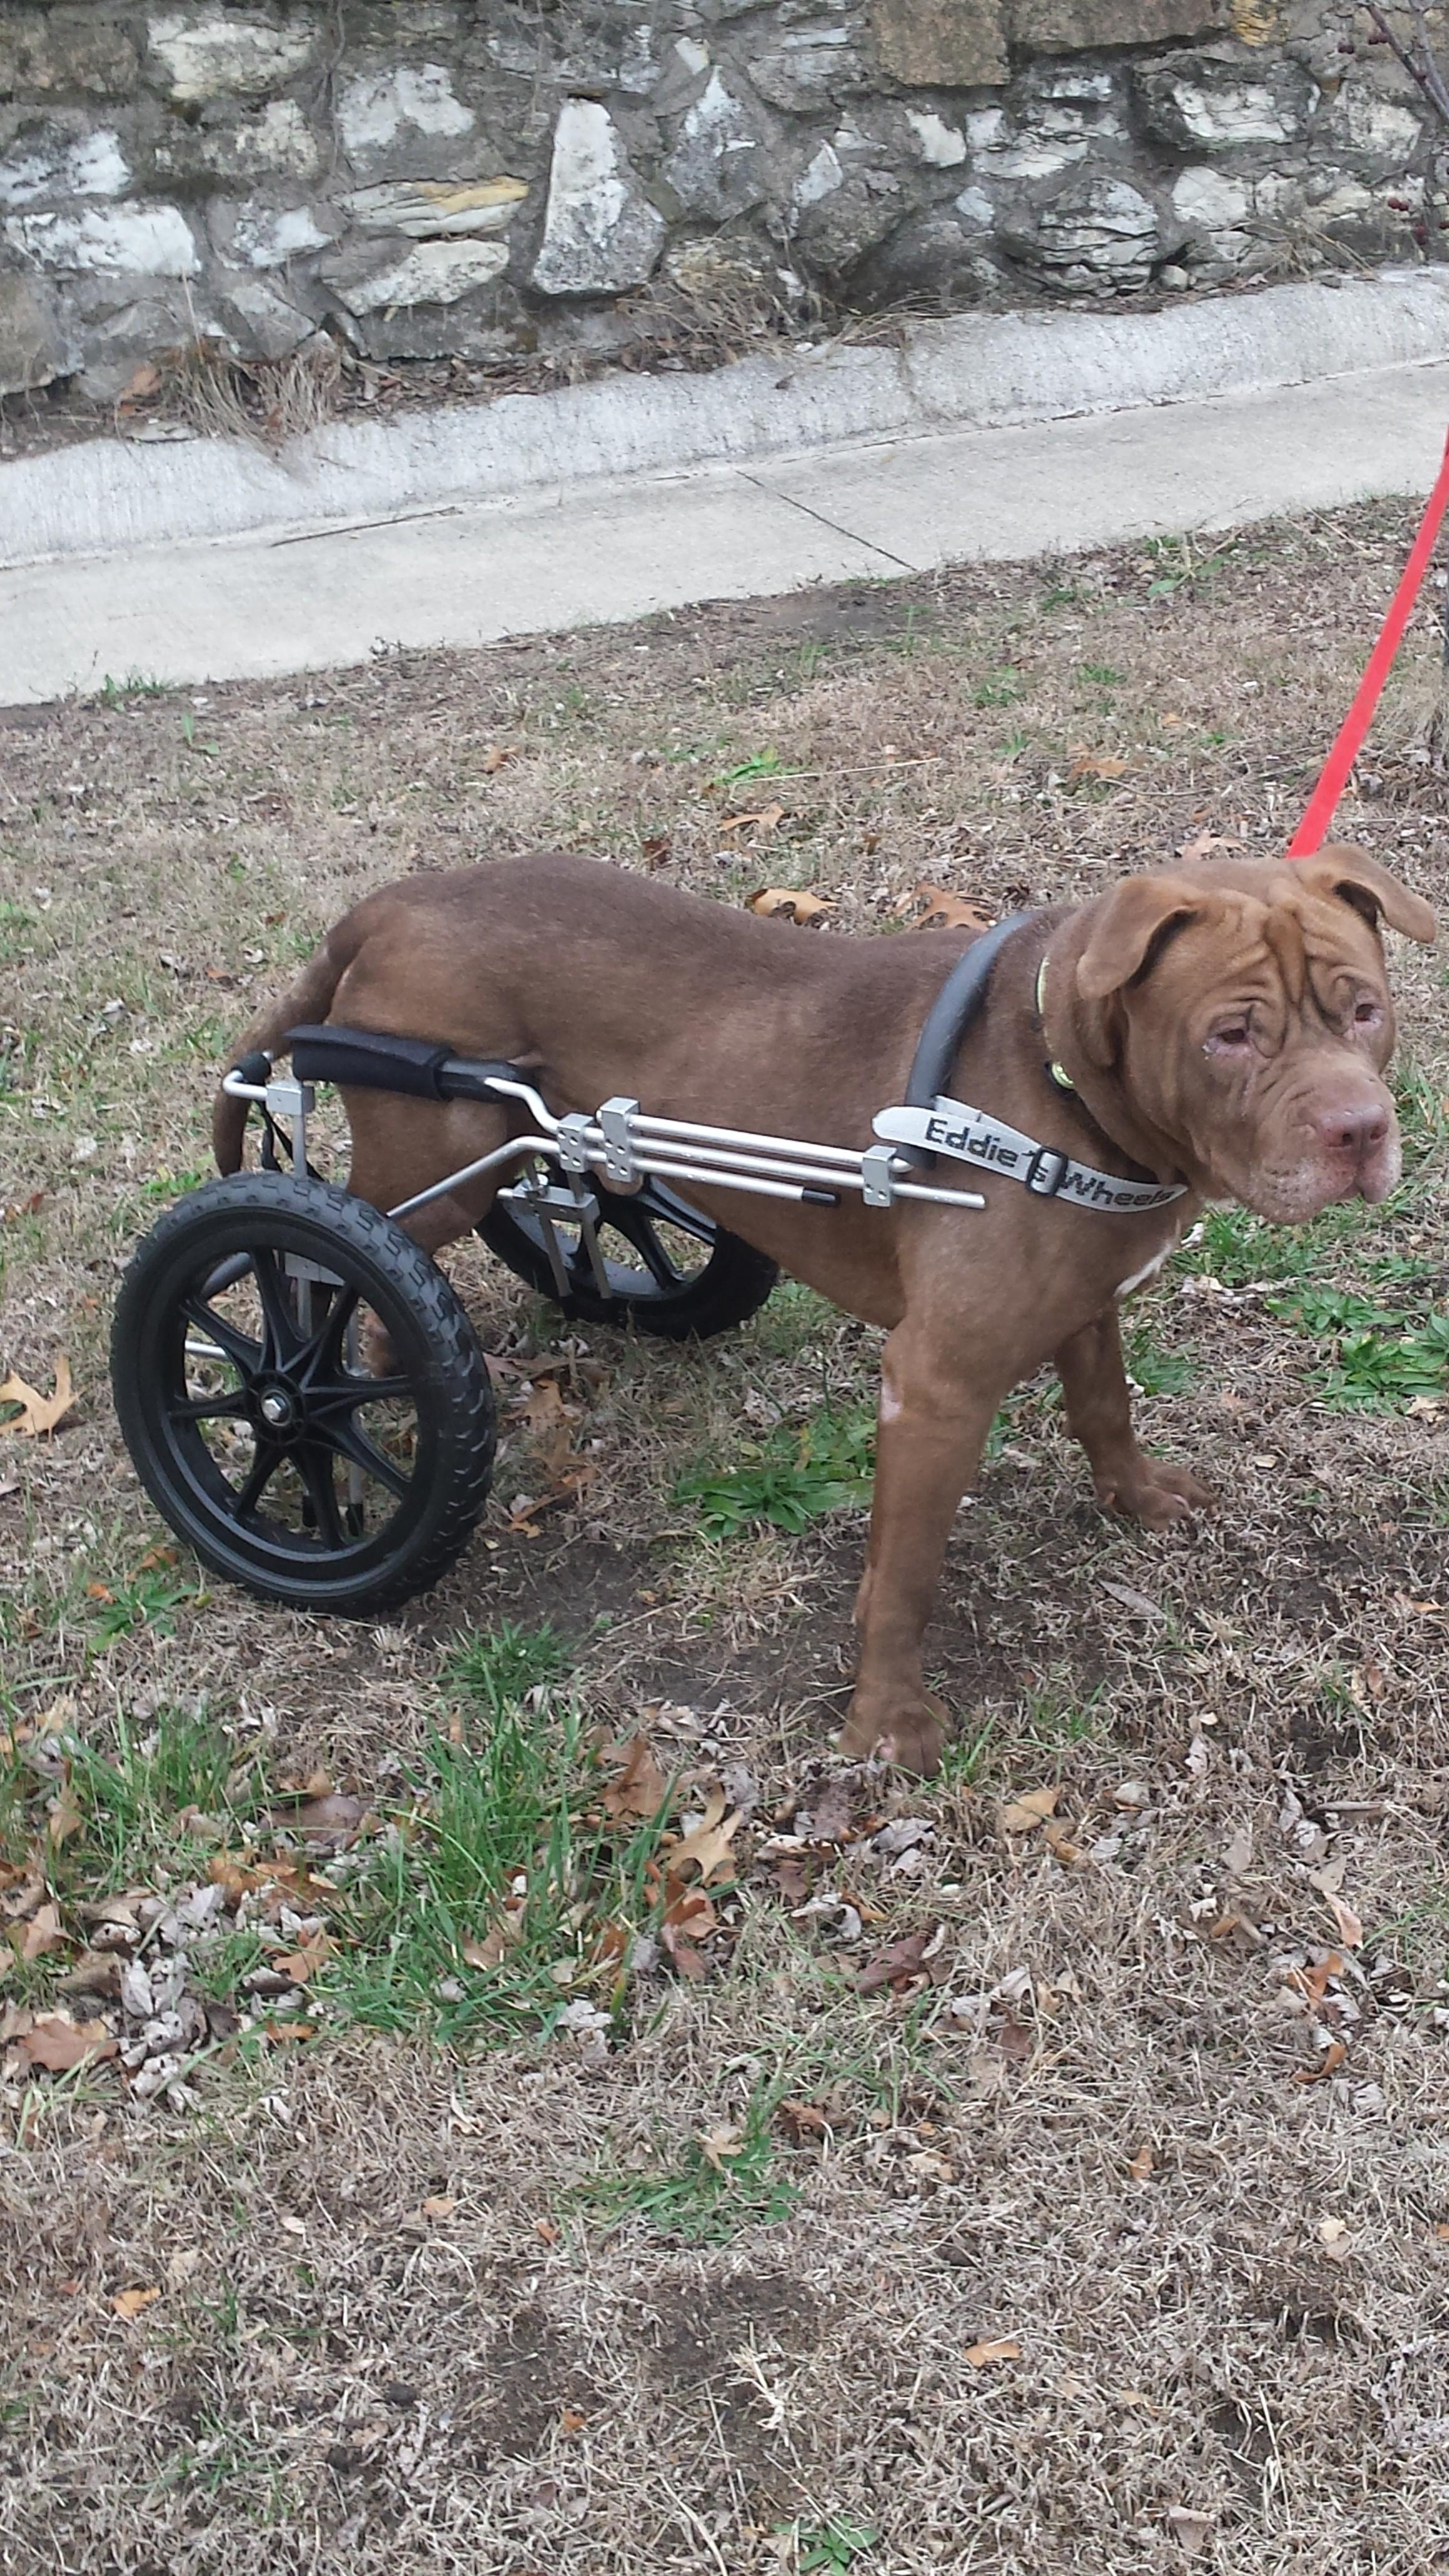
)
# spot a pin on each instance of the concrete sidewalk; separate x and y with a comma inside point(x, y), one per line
point(470, 573)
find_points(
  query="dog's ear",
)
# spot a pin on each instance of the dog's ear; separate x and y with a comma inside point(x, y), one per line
point(1132, 927)
point(1350, 876)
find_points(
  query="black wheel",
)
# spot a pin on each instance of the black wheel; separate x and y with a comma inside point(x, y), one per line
point(671, 1271)
point(239, 1364)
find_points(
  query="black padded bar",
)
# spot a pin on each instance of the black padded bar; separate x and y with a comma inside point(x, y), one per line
point(949, 1018)
point(368, 1060)
point(470, 1078)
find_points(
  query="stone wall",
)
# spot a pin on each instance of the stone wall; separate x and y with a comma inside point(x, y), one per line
point(479, 178)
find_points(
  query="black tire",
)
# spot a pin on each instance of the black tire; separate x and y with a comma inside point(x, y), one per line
point(652, 1287)
point(214, 1322)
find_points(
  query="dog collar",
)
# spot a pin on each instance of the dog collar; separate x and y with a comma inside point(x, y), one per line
point(1056, 1073)
point(951, 1127)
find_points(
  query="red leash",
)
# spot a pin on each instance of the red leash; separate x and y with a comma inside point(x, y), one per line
point(1314, 826)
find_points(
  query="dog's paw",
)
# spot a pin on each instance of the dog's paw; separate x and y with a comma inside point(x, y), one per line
point(1159, 1496)
point(907, 1732)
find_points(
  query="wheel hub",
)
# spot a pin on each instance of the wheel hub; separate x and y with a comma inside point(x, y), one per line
point(278, 1410)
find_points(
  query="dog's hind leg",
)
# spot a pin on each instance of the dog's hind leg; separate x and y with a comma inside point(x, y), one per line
point(400, 1147)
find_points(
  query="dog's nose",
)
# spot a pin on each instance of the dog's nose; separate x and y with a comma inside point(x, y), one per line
point(1357, 1131)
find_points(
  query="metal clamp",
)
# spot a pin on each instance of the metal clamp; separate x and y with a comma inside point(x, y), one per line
point(573, 1141)
point(620, 1165)
point(1046, 1171)
point(877, 1176)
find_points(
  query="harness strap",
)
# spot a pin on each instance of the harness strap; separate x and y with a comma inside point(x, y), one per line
point(970, 1136)
point(950, 1016)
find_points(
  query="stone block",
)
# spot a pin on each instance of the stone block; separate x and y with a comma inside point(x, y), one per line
point(1206, 103)
point(1099, 237)
point(151, 240)
point(55, 50)
point(715, 169)
point(835, 230)
point(1207, 201)
point(259, 235)
point(1375, 132)
point(1081, 26)
point(808, 68)
point(941, 146)
point(33, 346)
point(601, 234)
point(225, 53)
point(56, 160)
point(432, 272)
point(389, 113)
point(941, 44)
point(228, 144)
point(424, 208)
point(260, 319)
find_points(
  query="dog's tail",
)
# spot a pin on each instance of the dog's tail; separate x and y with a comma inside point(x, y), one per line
point(307, 1003)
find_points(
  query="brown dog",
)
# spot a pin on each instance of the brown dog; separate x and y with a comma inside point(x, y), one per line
point(1224, 1026)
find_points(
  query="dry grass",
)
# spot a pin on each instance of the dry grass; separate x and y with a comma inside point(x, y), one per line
point(1228, 2284)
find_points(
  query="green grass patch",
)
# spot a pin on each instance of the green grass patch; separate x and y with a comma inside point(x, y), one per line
point(504, 1889)
point(800, 1473)
point(704, 2192)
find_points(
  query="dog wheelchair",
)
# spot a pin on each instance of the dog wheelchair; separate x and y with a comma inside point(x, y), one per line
point(301, 1392)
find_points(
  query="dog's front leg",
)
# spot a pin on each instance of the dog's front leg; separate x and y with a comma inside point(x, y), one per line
point(1099, 1414)
point(931, 1429)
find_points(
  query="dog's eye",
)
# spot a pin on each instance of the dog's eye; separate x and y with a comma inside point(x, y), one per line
point(1230, 1040)
point(1367, 1015)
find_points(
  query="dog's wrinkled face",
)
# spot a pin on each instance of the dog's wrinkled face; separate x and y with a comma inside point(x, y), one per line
point(1247, 1008)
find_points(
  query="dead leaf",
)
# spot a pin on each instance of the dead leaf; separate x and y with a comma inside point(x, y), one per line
point(64, 1817)
point(785, 903)
point(332, 1813)
point(1023, 1815)
point(942, 910)
point(899, 1963)
point(655, 850)
point(1193, 2529)
point(1350, 1929)
point(571, 2421)
point(1061, 1846)
point(1015, 2040)
point(1141, 2165)
point(144, 381)
point(640, 1788)
point(301, 1964)
point(1203, 844)
point(689, 1919)
point(56, 2043)
point(1329, 2064)
point(719, 2147)
point(1333, 2236)
point(38, 1413)
point(41, 1933)
point(1096, 764)
point(804, 2123)
point(131, 2302)
point(998, 2348)
point(830, 1813)
point(496, 757)
point(287, 2033)
point(761, 826)
point(439, 2206)
point(708, 1848)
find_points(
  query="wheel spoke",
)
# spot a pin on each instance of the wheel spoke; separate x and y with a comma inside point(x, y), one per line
point(264, 1467)
point(315, 1464)
point(241, 1348)
point(662, 1203)
point(324, 1351)
point(637, 1228)
point(209, 1408)
point(283, 1332)
point(345, 1394)
point(355, 1445)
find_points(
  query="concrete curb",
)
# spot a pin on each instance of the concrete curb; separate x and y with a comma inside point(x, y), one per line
point(973, 371)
